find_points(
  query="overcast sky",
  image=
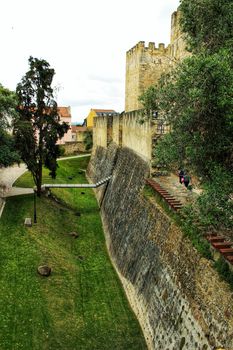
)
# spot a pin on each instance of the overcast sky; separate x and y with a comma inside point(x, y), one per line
point(85, 41)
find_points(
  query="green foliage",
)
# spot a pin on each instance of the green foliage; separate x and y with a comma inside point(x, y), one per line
point(88, 140)
point(190, 227)
point(224, 271)
point(8, 154)
point(196, 97)
point(149, 100)
point(8, 102)
point(213, 209)
point(82, 304)
point(186, 222)
point(38, 127)
point(169, 152)
point(207, 24)
point(62, 150)
point(196, 100)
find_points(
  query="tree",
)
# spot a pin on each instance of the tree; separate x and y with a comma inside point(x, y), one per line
point(196, 100)
point(88, 140)
point(8, 102)
point(149, 99)
point(207, 24)
point(196, 97)
point(38, 127)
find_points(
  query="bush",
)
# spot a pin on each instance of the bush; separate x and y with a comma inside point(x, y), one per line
point(88, 140)
point(224, 270)
point(62, 150)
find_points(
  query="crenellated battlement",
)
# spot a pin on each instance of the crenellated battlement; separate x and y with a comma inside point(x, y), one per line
point(146, 64)
point(151, 48)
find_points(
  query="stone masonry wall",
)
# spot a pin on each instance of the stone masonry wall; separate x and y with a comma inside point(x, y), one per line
point(100, 132)
point(145, 65)
point(136, 135)
point(73, 147)
point(117, 130)
point(176, 294)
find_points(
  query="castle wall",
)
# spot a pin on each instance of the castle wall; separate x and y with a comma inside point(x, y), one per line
point(176, 294)
point(137, 136)
point(74, 147)
point(125, 131)
point(100, 131)
point(117, 130)
point(144, 66)
point(177, 47)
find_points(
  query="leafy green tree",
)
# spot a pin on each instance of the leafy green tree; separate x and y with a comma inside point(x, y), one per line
point(149, 99)
point(207, 24)
point(196, 99)
point(88, 140)
point(38, 127)
point(8, 102)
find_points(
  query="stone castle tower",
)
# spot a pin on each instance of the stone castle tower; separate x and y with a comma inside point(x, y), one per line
point(144, 65)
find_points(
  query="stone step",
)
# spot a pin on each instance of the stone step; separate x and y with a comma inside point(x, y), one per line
point(174, 203)
point(213, 238)
point(226, 251)
point(162, 191)
point(229, 258)
point(219, 245)
point(176, 206)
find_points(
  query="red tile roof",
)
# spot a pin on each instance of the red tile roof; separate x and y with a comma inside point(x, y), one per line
point(103, 110)
point(77, 128)
point(64, 112)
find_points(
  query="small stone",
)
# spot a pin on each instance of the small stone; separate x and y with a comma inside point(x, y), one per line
point(80, 257)
point(44, 270)
point(28, 222)
point(73, 234)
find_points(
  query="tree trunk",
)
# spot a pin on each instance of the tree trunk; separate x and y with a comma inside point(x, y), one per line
point(39, 179)
point(40, 165)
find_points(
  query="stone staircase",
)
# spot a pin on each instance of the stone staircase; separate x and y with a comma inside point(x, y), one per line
point(222, 246)
point(173, 203)
point(219, 243)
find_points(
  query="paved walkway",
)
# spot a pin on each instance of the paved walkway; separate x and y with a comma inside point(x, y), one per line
point(79, 156)
point(7, 178)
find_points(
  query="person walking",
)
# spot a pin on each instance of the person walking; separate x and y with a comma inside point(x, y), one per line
point(187, 180)
point(181, 176)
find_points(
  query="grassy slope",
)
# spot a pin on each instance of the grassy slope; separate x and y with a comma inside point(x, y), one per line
point(82, 304)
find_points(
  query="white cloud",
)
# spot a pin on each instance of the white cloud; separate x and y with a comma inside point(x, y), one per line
point(84, 41)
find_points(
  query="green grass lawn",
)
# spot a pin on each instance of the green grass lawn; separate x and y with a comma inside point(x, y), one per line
point(82, 304)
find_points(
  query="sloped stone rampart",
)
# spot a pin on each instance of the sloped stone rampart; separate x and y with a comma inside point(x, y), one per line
point(176, 294)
